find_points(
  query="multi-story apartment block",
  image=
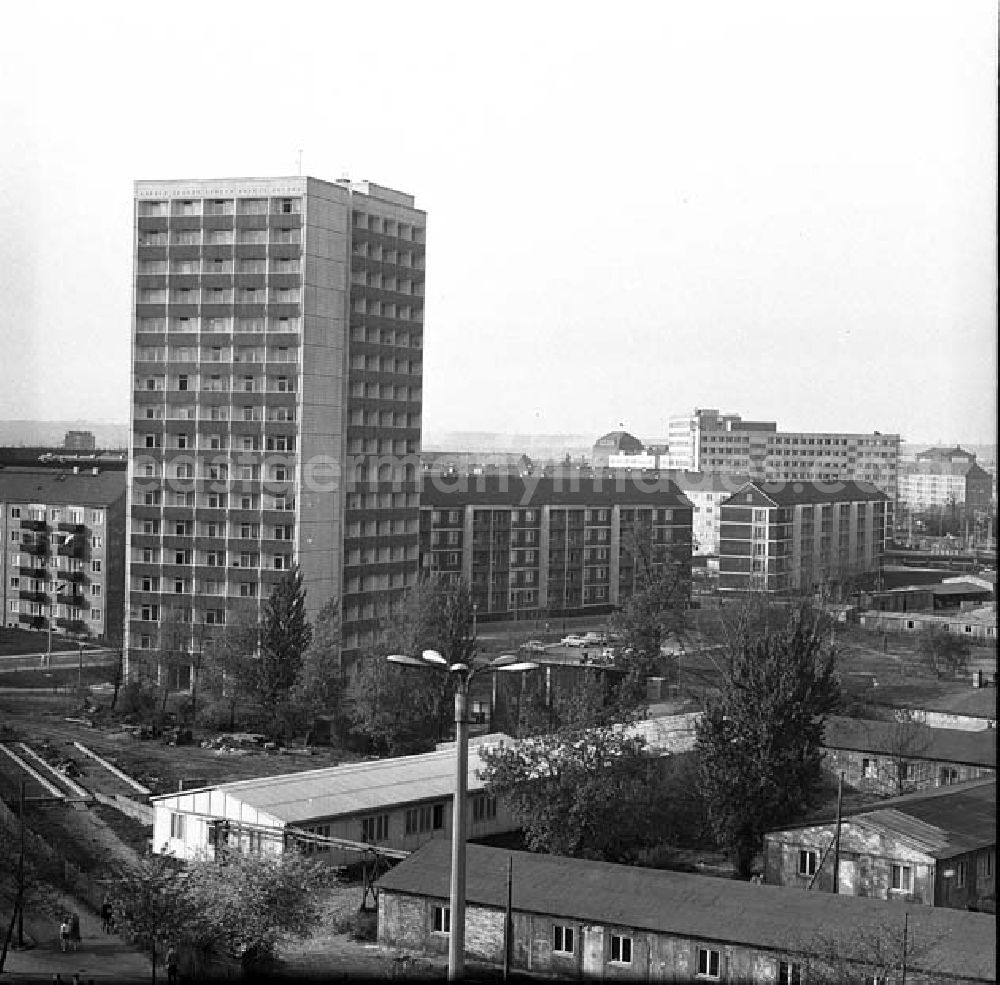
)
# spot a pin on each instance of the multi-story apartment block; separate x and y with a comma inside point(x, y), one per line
point(946, 477)
point(707, 441)
point(791, 538)
point(277, 358)
point(63, 558)
point(563, 544)
point(707, 491)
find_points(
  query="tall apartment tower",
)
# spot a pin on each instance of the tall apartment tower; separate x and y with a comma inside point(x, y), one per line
point(277, 365)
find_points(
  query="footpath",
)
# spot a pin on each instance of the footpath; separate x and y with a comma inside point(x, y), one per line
point(100, 957)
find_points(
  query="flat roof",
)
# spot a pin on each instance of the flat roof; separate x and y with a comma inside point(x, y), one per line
point(349, 788)
point(62, 487)
point(912, 740)
point(693, 906)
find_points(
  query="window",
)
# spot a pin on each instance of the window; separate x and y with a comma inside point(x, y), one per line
point(807, 863)
point(902, 879)
point(986, 865)
point(562, 939)
point(441, 919)
point(869, 767)
point(789, 973)
point(709, 962)
point(177, 825)
point(948, 776)
point(484, 807)
point(621, 949)
point(438, 820)
point(95, 591)
point(375, 828)
point(420, 819)
point(960, 875)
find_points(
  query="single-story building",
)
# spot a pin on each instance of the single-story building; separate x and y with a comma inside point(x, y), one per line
point(950, 596)
point(972, 709)
point(393, 805)
point(578, 918)
point(892, 758)
point(973, 624)
point(937, 848)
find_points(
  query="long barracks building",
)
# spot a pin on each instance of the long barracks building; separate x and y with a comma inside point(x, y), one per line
point(562, 544)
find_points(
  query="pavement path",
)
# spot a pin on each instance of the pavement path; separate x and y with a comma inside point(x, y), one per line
point(101, 957)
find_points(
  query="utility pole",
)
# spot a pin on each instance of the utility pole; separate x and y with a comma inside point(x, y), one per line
point(836, 836)
point(507, 919)
point(906, 930)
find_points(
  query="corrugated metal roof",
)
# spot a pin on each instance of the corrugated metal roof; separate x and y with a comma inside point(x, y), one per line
point(692, 906)
point(51, 486)
point(354, 787)
point(912, 741)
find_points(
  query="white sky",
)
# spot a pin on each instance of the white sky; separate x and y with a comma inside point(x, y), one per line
point(786, 210)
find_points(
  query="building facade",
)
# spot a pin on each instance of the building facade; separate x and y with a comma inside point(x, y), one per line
point(945, 477)
point(790, 538)
point(532, 545)
point(614, 443)
point(63, 558)
point(277, 366)
point(707, 441)
point(80, 441)
point(936, 848)
point(579, 919)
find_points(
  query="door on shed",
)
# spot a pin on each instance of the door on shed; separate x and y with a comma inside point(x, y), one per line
point(847, 877)
point(593, 951)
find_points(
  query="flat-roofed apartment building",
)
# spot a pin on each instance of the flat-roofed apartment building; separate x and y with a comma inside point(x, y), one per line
point(794, 537)
point(530, 545)
point(277, 366)
point(707, 441)
point(63, 557)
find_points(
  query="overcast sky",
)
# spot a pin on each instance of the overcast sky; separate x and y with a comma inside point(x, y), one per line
point(785, 210)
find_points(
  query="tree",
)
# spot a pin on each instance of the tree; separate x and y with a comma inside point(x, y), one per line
point(589, 793)
point(154, 906)
point(946, 654)
point(399, 708)
point(908, 741)
point(759, 740)
point(246, 904)
point(319, 687)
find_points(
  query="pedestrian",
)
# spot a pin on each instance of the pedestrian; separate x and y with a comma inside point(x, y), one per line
point(107, 915)
point(64, 934)
point(74, 930)
point(77, 980)
point(172, 963)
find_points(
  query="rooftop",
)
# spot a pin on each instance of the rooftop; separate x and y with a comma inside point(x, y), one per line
point(912, 740)
point(61, 487)
point(802, 492)
point(295, 798)
point(692, 906)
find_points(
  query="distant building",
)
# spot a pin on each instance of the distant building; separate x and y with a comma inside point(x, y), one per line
point(577, 918)
point(707, 491)
point(936, 848)
point(63, 555)
point(614, 443)
point(796, 537)
point(707, 441)
point(978, 624)
point(901, 757)
point(544, 545)
point(945, 477)
point(80, 441)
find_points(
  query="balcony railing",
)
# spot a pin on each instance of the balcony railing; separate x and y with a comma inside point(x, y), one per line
point(33, 524)
point(29, 596)
point(39, 548)
point(74, 548)
point(69, 527)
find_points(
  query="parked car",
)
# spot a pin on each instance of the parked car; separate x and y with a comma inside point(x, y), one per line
point(572, 640)
point(536, 646)
point(593, 639)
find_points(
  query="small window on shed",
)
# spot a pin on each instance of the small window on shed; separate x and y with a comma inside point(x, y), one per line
point(441, 919)
point(177, 826)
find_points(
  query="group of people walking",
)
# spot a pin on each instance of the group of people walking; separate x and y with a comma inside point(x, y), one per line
point(69, 932)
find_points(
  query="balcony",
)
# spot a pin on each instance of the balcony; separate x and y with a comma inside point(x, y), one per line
point(33, 524)
point(71, 575)
point(70, 528)
point(38, 548)
point(33, 622)
point(32, 571)
point(73, 548)
point(77, 601)
point(28, 596)
point(72, 625)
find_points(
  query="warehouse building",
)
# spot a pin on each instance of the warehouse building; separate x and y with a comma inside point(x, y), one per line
point(393, 805)
point(579, 918)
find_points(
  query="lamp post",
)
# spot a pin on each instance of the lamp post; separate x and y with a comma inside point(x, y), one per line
point(464, 673)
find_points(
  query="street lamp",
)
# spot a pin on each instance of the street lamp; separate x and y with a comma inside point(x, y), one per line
point(464, 672)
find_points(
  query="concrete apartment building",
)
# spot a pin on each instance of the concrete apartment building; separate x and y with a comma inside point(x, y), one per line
point(707, 441)
point(565, 544)
point(63, 557)
point(945, 477)
point(794, 537)
point(277, 365)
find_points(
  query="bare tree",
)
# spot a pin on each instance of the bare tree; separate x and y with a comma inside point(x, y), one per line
point(908, 742)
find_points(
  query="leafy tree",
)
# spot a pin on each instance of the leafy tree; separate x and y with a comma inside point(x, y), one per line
point(944, 653)
point(319, 688)
point(285, 635)
point(246, 904)
point(759, 740)
point(588, 793)
point(154, 906)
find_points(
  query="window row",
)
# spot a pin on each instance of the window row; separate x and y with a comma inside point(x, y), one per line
point(220, 413)
point(217, 266)
point(386, 309)
point(216, 354)
point(388, 227)
point(361, 417)
point(382, 528)
point(383, 501)
point(219, 295)
point(386, 364)
point(220, 237)
point(57, 514)
point(218, 206)
point(386, 391)
point(386, 336)
point(249, 325)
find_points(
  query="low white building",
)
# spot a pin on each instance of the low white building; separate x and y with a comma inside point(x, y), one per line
point(393, 805)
